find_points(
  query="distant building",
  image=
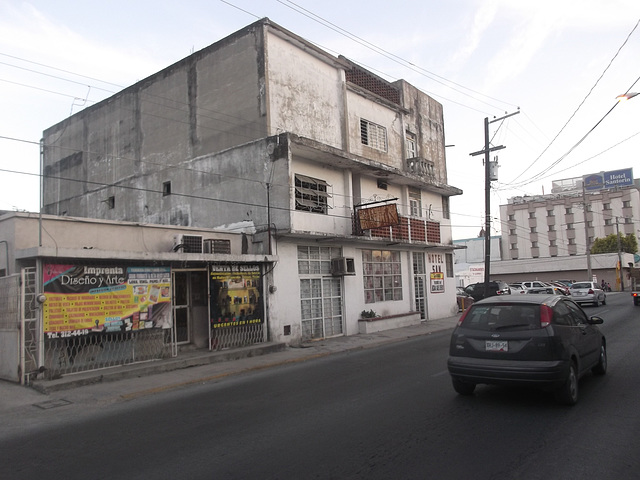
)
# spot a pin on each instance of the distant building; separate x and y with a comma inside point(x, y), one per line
point(540, 233)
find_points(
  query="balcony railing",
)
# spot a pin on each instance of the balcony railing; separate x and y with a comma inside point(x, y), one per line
point(409, 229)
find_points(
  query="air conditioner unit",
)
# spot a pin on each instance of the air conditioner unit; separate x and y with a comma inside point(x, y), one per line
point(187, 243)
point(214, 245)
point(343, 266)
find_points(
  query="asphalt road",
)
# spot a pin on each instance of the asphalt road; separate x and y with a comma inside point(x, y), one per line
point(382, 413)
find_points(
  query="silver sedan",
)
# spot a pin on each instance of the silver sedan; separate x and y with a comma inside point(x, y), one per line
point(588, 292)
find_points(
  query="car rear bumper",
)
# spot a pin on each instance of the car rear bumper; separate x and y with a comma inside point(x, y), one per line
point(499, 372)
point(587, 298)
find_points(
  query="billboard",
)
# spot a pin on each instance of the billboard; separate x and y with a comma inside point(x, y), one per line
point(611, 179)
point(83, 299)
point(235, 295)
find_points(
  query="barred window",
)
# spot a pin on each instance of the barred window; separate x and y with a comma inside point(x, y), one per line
point(382, 275)
point(311, 194)
point(375, 136)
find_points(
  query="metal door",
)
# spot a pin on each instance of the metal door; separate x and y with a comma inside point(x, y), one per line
point(420, 284)
point(181, 306)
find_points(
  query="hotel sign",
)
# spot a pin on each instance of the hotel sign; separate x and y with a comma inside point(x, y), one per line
point(612, 179)
point(381, 216)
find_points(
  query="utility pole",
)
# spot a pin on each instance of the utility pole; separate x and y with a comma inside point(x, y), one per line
point(586, 232)
point(620, 275)
point(487, 195)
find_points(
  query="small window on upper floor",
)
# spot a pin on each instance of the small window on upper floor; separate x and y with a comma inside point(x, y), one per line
point(311, 194)
point(568, 211)
point(445, 208)
point(372, 135)
point(606, 206)
point(415, 202)
point(111, 202)
point(532, 214)
point(412, 145)
point(166, 189)
point(626, 204)
point(512, 217)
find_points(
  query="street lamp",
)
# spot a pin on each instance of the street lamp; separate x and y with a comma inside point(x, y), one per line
point(626, 96)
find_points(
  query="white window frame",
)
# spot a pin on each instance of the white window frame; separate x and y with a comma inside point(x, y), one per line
point(373, 135)
point(382, 270)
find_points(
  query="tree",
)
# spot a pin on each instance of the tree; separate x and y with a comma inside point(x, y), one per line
point(609, 244)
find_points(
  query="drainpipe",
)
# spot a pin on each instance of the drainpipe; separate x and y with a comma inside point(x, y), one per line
point(6, 254)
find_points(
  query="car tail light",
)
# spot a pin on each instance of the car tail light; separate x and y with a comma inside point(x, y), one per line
point(462, 317)
point(546, 314)
point(591, 291)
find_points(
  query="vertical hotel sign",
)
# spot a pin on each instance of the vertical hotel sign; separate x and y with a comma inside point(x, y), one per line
point(84, 299)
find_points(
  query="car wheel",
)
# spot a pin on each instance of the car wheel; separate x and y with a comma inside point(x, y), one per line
point(596, 302)
point(601, 367)
point(568, 393)
point(604, 300)
point(462, 387)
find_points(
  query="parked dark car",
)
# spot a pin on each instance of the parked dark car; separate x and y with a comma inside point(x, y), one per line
point(476, 290)
point(464, 299)
point(543, 341)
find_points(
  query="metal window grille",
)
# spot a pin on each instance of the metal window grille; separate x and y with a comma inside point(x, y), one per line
point(311, 194)
point(373, 135)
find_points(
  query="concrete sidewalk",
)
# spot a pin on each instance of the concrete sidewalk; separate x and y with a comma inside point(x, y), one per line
point(132, 381)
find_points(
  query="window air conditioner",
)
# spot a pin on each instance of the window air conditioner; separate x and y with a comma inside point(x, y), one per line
point(343, 266)
point(187, 243)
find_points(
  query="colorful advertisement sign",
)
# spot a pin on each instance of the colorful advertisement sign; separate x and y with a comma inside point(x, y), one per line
point(83, 299)
point(236, 295)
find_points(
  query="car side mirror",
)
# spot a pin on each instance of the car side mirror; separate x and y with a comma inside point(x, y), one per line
point(595, 320)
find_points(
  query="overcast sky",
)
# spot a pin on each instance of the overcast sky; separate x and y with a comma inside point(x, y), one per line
point(560, 62)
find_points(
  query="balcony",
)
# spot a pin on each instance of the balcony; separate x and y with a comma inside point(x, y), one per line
point(409, 230)
point(421, 167)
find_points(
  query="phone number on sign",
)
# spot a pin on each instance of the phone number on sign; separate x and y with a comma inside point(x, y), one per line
point(69, 334)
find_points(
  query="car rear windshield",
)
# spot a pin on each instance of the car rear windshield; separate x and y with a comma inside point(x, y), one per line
point(581, 285)
point(502, 317)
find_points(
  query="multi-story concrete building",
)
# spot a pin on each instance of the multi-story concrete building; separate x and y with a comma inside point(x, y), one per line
point(547, 229)
point(337, 173)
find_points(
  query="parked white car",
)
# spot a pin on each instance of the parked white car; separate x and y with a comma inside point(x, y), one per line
point(588, 292)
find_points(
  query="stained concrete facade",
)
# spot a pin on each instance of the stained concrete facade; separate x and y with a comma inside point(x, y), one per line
point(223, 138)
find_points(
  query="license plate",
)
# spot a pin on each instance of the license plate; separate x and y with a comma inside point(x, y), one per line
point(577, 294)
point(496, 346)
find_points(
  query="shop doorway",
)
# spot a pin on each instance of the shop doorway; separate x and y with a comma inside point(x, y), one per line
point(190, 293)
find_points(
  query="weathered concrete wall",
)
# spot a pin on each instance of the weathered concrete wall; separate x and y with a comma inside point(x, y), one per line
point(305, 94)
point(69, 233)
point(426, 120)
point(360, 107)
point(206, 103)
